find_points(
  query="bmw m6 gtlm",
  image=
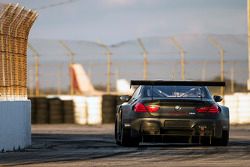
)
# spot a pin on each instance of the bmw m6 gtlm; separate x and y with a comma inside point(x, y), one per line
point(172, 111)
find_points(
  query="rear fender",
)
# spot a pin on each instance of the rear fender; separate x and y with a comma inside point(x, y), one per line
point(125, 111)
point(225, 112)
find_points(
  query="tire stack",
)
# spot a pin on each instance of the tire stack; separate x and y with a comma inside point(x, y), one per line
point(42, 110)
point(68, 111)
point(109, 103)
point(55, 111)
point(33, 110)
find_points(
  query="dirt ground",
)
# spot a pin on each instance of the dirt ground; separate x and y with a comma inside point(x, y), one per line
point(75, 145)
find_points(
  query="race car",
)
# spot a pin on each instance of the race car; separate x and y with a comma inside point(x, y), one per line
point(172, 112)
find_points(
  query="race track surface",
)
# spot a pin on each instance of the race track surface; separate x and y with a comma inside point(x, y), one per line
point(75, 145)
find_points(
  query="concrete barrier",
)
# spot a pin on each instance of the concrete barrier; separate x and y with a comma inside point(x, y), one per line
point(15, 125)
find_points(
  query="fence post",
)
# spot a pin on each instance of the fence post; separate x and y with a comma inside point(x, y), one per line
point(217, 45)
point(109, 63)
point(71, 55)
point(182, 54)
point(145, 59)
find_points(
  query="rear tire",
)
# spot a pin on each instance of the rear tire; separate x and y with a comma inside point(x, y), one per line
point(223, 141)
point(117, 135)
point(126, 139)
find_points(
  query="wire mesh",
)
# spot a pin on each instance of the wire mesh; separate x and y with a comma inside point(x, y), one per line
point(15, 24)
point(202, 60)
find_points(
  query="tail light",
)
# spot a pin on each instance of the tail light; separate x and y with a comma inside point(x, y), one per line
point(139, 107)
point(210, 109)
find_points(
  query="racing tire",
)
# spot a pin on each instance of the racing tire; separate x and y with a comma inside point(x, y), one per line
point(117, 135)
point(223, 141)
point(126, 139)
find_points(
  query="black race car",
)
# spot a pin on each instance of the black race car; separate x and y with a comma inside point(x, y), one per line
point(172, 111)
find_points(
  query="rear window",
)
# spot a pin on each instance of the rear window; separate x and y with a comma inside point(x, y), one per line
point(176, 92)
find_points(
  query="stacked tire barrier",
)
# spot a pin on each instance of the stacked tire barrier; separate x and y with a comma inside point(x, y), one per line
point(55, 111)
point(68, 111)
point(33, 109)
point(108, 108)
point(41, 110)
point(74, 109)
point(51, 110)
point(94, 110)
point(80, 110)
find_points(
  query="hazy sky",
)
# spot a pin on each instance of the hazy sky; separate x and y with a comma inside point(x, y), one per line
point(118, 20)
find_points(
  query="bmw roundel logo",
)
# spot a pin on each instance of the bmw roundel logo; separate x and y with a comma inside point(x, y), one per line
point(177, 108)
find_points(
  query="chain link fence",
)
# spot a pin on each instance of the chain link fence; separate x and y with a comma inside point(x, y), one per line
point(158, 58)
point(15, 24)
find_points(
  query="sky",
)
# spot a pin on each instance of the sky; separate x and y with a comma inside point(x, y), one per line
point(113, 21)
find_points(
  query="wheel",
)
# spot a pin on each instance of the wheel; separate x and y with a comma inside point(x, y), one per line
point(116, 134)
point(223, 141)
point(126, 139)
point(123, 136)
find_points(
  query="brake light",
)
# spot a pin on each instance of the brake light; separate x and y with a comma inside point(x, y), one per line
point(211, 109)
point(139, 107)
point(153, 108)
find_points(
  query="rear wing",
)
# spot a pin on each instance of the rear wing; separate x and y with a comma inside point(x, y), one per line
point(177, 83)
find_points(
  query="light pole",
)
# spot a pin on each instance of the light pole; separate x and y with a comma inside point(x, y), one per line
point(71, 55)
point(217, 45)
point(108, 54)
point(37, 61)
point(145, 59)
point(182, 54)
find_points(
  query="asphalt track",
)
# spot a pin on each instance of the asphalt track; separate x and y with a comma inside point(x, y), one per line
point(74, 145)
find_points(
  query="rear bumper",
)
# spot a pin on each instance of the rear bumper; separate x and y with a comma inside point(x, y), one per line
point(177, 127)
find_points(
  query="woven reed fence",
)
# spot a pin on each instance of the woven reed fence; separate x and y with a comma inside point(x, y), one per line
point(15, 24)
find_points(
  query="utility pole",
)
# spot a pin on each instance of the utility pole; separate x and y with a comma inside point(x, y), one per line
point(37, 61)
point(217, 45)
point(108, 54)
point(71, 55)
point(182, 54)
point(248, 37)
point(145, 59)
